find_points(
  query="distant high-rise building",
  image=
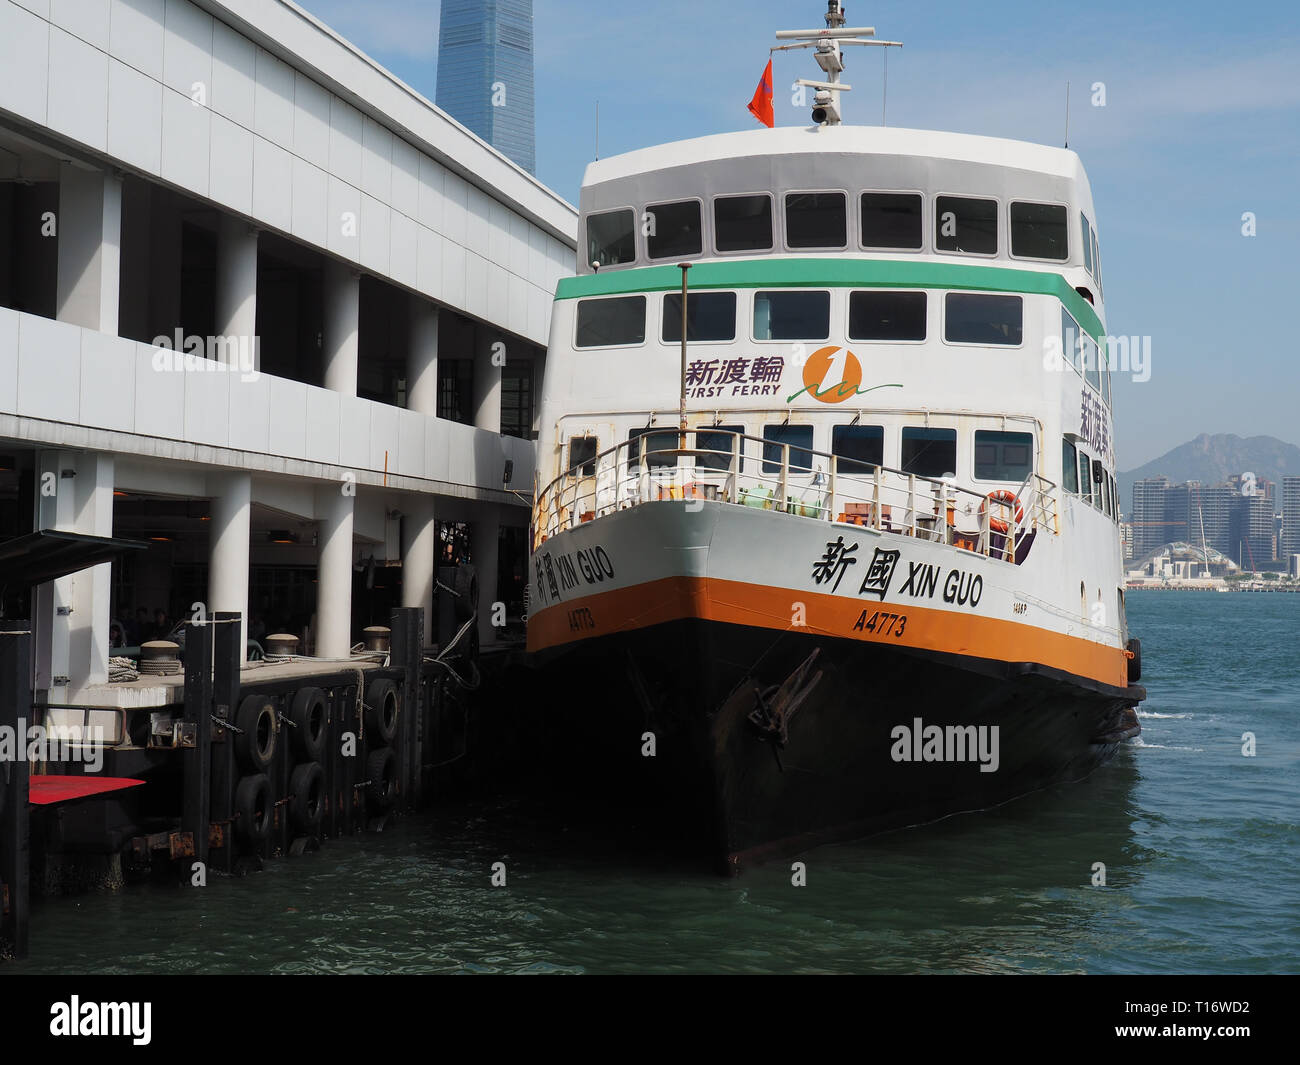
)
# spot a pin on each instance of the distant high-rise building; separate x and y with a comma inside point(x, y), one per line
point(1290, 517)
point(1149, 529)
point(485, 73)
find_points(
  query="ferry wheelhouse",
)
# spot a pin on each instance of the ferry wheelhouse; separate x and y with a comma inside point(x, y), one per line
point(846, 557)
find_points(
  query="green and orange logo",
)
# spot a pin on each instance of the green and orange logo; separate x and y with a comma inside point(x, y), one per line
point(831, 375)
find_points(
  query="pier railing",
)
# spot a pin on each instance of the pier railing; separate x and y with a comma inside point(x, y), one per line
point(716, 465)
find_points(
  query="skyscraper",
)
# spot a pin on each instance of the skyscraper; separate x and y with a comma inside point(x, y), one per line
point(485, 73)
point(1290, 517)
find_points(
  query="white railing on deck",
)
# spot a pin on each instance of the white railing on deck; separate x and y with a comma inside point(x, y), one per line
point(818, 488)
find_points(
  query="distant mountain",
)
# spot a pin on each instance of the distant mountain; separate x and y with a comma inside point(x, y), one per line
point(1211, 459)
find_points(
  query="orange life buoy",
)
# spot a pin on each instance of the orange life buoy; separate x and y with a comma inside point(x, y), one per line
point(1007, 498)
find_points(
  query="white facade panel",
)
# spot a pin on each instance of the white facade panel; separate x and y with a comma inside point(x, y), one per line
point(231, 165)
point(273, 99)
point(354, 434)
point(406, 179)
point(323, 424)
point(134, 117)
point(87, 19)
point(9, 360)
point(311, 121)
point(345, 141)
point(135, 34)
point(404, 250)
point(186, 141)
point(25, 59)
point(377, 161)
point(273, 185)
point(310, 199)
point(288, 429)
point(234, 75)
point(78, 94)
point(250, 411)
point(343, 220)
point(107, 381)
point(159, 395)
point(207, 406)
point(49, 369)
point(374, 235)
point(187, 49)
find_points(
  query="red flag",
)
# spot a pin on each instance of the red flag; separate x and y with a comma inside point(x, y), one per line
point(761, 105)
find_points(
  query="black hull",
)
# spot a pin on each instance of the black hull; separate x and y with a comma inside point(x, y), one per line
point(766, 770)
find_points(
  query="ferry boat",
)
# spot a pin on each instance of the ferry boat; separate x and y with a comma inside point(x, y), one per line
point(825, 540)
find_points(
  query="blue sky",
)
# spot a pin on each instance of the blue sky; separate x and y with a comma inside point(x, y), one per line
point(1201, 124)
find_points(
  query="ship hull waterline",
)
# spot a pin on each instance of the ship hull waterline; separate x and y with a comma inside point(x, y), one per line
point(760, 741)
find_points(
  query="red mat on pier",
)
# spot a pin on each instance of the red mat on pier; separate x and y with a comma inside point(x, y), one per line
point(46, 790)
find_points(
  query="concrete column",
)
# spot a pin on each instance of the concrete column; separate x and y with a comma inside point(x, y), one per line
point(228, 546)
point(236, 297)
point(422, 358)
point(90, 236)
point(341, 330)
point(334, 572)
point(484, 532)
point(419, 549)
point(74, 494)
point(487, 379)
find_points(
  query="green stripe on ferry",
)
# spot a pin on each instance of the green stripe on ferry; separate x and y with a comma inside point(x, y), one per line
point(835, 273)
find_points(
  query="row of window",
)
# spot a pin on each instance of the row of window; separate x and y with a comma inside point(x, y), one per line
point(1091, 250)
point(1085, 355)
point(802, 315)
point(819, 221)
point(1089, 479)
point(924, 450)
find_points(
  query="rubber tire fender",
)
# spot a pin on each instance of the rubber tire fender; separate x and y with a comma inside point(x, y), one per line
point(1135, 663)
point(307, 798)
point(255, 719)
point(382, 714)
point(381, 771)
point(310, 715)
point(254, 792)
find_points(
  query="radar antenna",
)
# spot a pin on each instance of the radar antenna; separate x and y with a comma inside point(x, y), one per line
point(827, 44)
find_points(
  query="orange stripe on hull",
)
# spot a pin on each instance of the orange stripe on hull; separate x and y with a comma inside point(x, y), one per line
point(759, 606)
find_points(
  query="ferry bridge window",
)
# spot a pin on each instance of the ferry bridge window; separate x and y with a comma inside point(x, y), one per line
point(1039, 231)
point(800, 439)
point(792, 314)
point(605, 323)
point(743, 223)
point(860, 448)
point(582, 452)
point(721, 443)
point(965, 224)
point(1085, 477)
point(1085, 231)
point(979, 318)
point(891, 220)
point(1096, 261)
point(1069, 467)
point(656, 440)
point(929, 452)
point(1071, 338)
point(709, 316)
point(882, 315)
point(674, 230)
point(611, 237)
point(1003, 456)
point(816, 220)
point(1106, 495)
point(1091, 362)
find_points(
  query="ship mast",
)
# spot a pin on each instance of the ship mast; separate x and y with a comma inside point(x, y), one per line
point(828, 44)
